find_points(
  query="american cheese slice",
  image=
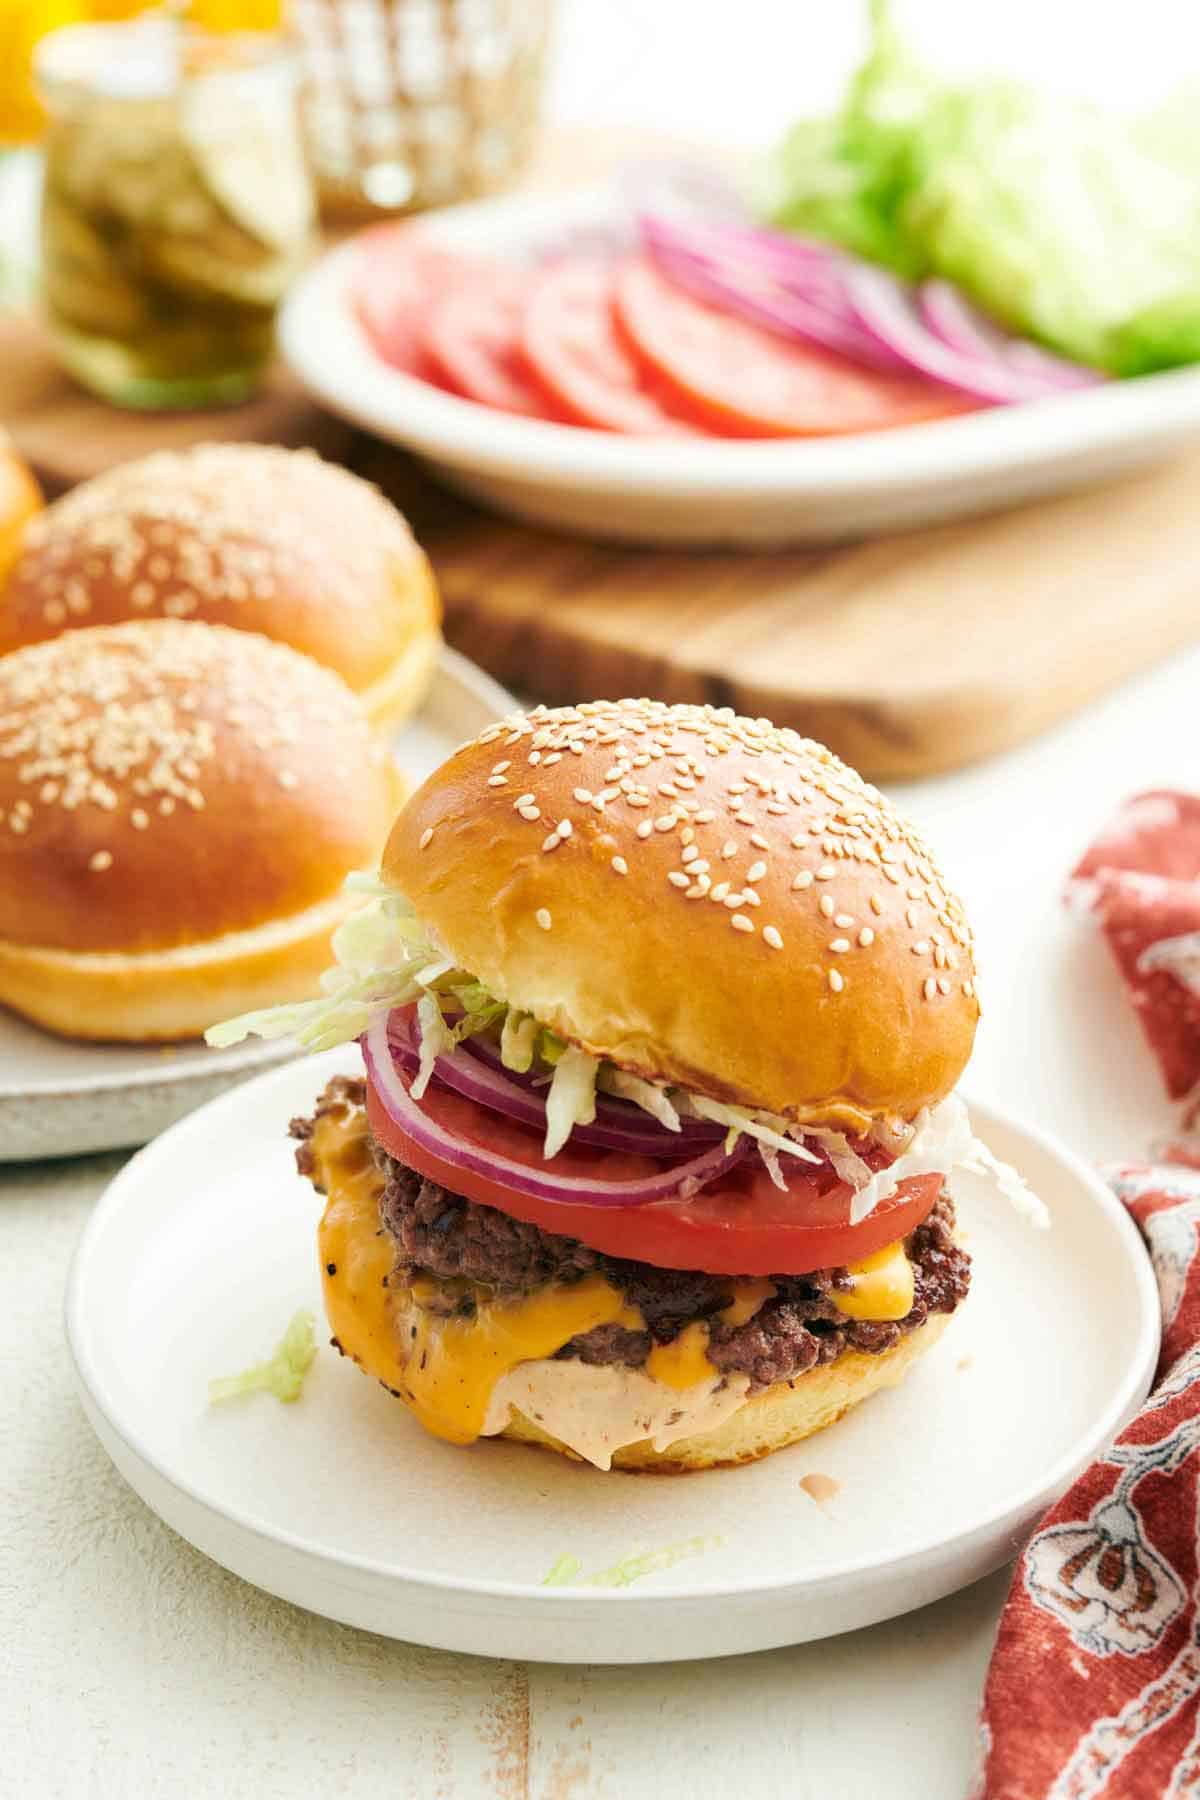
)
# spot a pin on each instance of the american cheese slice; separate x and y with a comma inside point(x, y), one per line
point(881, 1286)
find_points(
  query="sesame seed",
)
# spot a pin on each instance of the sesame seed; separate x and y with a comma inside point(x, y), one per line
point(740, 922)
point(620, 865)
point(772, 937)
point(523, 800)
point(930, 989)
point(583, 796)
point(706, 817)
point(756, 871)
point(803, 880)
point(943, 985)
point(728, 849)
point(552, 842)
point(732, 901)
point(750, 896)
point(100, 861)
point(645, 828)
point(920, 948)
point(720, 891)
point(139, 819)
point(844, 920)
point(288, 778)
point(839, 946)
point(689, 853)
point(827, 904)
point(565, 828)
point(968, 988)
point(637, 799)
point(531, 813)
point(499, 768)
point(665, 822)
point(759, 841)
point(826, 872)
point(497, 781)
point(543, 918)
point(687, 835)
point(744, 818)
point(912, 916)
point(554, 757)
point(876, 904)
point(866, 936)
point(777, 807)
point(836, 980)
point(425, 837)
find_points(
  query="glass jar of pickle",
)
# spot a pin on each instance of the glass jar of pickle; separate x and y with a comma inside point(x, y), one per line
point(176, 208)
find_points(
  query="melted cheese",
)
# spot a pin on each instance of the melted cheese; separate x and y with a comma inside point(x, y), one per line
point(881, 1286)
point(445, 1368)
point(683, 1362)
point(454, 1364)
point(748, 1296)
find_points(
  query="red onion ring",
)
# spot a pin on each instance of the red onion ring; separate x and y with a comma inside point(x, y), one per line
point(404, 1111)
point(638, 1130)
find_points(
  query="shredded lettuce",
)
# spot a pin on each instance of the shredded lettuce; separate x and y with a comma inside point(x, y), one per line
point(1071, 224)
point(943, 1141)
point(282, 1374)
point(571, 1100)
point(765, 1128)
point(436, 1039)
point(651, 1099)
point(567, 1571)
point(518, 1040)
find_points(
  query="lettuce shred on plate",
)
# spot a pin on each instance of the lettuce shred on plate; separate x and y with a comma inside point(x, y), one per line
point(282, 1374)
point(1069, 223)
point(567, 1571)
point(385, 957)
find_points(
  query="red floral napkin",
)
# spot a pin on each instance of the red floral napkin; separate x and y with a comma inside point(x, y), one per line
point(1094, 1687)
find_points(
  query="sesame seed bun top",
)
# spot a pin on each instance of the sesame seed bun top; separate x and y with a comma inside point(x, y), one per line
point(702, 898)
point(246, 535)
point(162, 784)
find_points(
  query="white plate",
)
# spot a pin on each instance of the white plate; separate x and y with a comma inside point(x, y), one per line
point(202, 1249)
point(60, 1097)
point(645, 490)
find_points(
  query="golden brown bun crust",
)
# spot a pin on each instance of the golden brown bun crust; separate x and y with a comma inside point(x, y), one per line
point(584, 864)
point(779, 1416)
point(163, 784)
point(245, 535)
point(20, 500)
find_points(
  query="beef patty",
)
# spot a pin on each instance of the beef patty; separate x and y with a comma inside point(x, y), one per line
point(440, 1233)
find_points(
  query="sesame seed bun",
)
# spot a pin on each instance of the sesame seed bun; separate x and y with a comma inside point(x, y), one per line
point(20, 500)
point(779, 1416)
point(246, 535)
point(702, 899)
point(179, 805)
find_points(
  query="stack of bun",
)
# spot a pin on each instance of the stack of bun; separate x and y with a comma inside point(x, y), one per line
point(181, 798)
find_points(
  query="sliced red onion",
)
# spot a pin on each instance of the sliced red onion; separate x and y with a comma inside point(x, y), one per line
point(394, 1096)
point(951, 317)
point(637, 1130)
point(887, 309)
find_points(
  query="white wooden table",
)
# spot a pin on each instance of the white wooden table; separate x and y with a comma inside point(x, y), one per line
point(130, 1668)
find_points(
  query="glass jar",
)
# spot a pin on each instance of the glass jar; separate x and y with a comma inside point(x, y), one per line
point(176, 209)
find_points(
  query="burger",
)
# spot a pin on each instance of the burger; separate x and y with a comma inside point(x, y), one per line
point(651, 1160)
point(249, 536)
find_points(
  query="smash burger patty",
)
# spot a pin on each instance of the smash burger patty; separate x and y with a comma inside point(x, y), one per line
point(438, 1233)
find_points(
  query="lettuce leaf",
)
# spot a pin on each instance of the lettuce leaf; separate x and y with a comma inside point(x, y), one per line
point(282, 1374)
point(1070, 224)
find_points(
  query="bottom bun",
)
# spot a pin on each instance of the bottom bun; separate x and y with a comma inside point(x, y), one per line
point(779, 1416)
point(164, 996)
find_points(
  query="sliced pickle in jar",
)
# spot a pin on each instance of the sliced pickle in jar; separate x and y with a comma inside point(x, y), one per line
point(83, 280)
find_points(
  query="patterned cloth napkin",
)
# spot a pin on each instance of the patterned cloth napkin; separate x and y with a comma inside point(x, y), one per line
point(1094, 1687)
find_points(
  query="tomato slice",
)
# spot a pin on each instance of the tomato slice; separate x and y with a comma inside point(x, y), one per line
point(398, 277)
point(472, 336)
point(749, 381)
point(742, 1225)
point(571, 343)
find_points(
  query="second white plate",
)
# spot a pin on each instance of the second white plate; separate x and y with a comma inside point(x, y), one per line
point(342, 1504)
point(63, 1097)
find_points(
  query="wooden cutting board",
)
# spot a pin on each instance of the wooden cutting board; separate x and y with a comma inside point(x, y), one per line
point(910, 655)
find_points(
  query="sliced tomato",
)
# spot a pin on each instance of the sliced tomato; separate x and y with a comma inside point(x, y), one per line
point(742, 1225)
point(399, 275)
point(472, 336)
point(751, 382)
point(569, 340)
